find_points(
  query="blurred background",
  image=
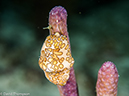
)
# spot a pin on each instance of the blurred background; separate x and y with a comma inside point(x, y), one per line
point(98, 31)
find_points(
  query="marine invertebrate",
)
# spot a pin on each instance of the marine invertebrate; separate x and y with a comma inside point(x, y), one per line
point(107, 80)
point(56, 59)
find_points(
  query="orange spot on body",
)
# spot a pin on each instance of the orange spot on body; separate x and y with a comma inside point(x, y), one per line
point(62, 45)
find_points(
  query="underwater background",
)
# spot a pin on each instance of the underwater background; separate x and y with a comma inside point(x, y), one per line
point(98, 31)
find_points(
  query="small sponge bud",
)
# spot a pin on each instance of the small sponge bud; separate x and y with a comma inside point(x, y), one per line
point(107, 80)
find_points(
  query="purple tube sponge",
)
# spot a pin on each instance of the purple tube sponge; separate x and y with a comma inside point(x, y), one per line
point(56, 60)
point(107, 80)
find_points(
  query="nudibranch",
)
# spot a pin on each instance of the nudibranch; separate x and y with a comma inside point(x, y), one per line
point(55, 56)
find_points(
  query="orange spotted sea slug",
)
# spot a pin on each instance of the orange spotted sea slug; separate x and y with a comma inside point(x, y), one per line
point(56, 59)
